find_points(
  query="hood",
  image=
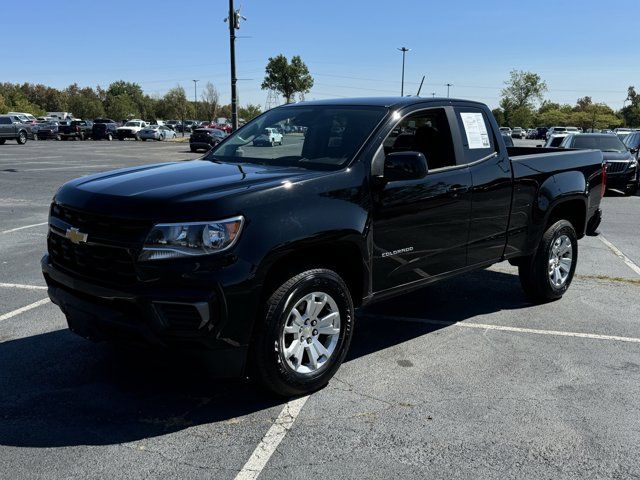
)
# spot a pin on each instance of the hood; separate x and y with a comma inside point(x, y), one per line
point(180, 190)
point(615, 156)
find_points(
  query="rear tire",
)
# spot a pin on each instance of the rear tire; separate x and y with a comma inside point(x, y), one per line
point(2, 140)
point(194, 149)
point(540, 279)
point(331, 311)
point(109, 137)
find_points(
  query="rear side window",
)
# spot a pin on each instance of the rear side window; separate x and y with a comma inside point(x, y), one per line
point(5, 120)
point(475, 130)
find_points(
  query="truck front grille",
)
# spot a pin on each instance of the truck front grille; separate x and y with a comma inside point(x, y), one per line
point(107, 256)
point(103, 263)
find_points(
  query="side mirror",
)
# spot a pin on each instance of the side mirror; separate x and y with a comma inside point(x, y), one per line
point(634, 150)
point(405, 166)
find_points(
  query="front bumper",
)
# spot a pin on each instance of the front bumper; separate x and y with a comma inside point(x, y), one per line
point(126, 134)
point(622, 180)
point(188, 319)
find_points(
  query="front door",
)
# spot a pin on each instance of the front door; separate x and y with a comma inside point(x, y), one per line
point(421, 227)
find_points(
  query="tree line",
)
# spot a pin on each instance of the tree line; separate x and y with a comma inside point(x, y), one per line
point(522, 104)
point(121, 100)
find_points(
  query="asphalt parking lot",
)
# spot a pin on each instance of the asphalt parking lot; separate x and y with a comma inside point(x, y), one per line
point(464, 379)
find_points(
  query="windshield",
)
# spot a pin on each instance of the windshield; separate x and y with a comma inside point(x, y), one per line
point(317, 136)
point(606, 143)
point(132, 124)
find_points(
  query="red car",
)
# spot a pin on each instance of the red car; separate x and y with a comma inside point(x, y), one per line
point(225, 127)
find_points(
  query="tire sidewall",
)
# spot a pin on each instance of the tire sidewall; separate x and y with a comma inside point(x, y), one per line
point(287, 380)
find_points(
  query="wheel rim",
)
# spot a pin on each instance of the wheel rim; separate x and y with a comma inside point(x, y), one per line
point(23, 138)
point(311, 332)
point(560, 260)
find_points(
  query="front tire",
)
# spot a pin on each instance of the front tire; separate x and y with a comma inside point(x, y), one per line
point(546, 275)
point(22, 138)
point(304, 334)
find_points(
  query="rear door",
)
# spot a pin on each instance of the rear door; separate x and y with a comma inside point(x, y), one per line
point(492, 185)
point(6, 127)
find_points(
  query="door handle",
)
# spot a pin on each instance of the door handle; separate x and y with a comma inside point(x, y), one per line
point(456, 189)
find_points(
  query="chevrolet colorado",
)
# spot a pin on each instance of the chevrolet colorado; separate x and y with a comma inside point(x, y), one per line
point(258, 256)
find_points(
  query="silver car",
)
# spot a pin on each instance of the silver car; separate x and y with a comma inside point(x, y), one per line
point(156, 132)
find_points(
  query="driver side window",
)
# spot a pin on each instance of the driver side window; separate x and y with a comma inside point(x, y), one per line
point(427, 132)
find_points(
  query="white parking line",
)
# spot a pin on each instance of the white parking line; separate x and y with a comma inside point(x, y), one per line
point(617, 252)
point(22, 286)
point(26, 308)
point(22, 228)
point(485, 326)
point(272, 439)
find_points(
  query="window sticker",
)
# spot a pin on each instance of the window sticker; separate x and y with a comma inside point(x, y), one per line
point(476, 130)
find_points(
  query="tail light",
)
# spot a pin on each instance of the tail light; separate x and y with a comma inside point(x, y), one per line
point(604, 179)
point(77, 129)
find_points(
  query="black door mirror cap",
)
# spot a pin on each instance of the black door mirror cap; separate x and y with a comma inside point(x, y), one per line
point(400, 166)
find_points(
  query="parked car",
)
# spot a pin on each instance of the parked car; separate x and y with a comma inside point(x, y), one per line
point(541, 133)
point(257, 260)
point(205, 138)
point(632, 142)
point(531, 134)
point(225, 127)
point(518, 132)
point(12, 128)
point(173, 125)
point(131, 129)
point(35, 129)
point(555, 131)
point(49, 131)
point(622, 165)
point(104, 128)
point(76, 129)
point(506, 130)
point(270, 137)
point(555, 140)
point(156, 132)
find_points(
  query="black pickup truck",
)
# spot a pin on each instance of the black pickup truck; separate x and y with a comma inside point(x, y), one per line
point(257, 256)
point(76, 129)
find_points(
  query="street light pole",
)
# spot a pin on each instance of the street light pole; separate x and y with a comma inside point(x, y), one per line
point(404, 50)
point(449, 85)
point(195, 98)
point(232, 48)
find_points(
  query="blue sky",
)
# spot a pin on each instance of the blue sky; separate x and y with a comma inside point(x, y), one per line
point(580, 48)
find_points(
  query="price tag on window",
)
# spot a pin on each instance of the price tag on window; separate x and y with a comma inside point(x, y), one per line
point(476, 130)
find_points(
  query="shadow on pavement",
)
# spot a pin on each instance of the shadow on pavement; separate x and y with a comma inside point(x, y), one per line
point(57, 389)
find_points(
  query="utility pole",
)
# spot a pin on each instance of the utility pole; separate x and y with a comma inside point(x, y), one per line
point(234, 24)
point(195, 98)
point(433, 94)
point(404, 51)
point(449, 85)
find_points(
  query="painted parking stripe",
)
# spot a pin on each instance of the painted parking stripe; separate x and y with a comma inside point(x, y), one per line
point(618, 253)
point(22, 228)
point(22, 286)
point(504, 328)
point(26, 308)
point(272, 439)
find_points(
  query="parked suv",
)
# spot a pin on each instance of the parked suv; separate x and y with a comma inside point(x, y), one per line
point(12, 128)
point(104, 128)
point(131, 129)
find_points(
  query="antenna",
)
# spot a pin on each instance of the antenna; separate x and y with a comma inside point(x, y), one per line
point(420, 87)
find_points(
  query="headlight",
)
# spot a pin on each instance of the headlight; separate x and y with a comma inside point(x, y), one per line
point(171, 240)
point(633, 162)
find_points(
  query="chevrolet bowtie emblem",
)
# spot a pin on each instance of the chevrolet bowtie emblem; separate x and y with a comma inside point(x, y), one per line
point(75, 235)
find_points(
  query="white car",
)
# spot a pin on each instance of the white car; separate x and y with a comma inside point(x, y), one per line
point(270, 137)
point(156, 132)
point(555, 131)
point(518, 132)
point(131, 129)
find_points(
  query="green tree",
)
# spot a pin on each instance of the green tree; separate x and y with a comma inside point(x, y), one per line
point(3, 105)
point(121, 107)
point(249, 111)
point(287, 78)
point(631, 113)
point(174, 105)
point(498, 114)
point(523, 89)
